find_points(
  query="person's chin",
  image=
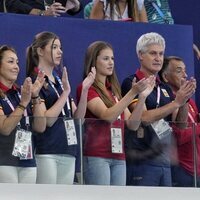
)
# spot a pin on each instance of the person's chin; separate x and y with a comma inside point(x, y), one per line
point(156, 69)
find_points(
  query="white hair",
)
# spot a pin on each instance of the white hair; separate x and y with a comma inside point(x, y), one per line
point(148, 39)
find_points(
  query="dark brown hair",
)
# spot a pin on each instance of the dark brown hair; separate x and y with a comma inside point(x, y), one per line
point(3, 49)
point(131, 9)
point(40, 41)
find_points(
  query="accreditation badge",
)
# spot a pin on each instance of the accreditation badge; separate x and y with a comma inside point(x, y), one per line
point(23, 144)
point(161, 128)
point(70, 131)
point(116, 140)
point(140, 132)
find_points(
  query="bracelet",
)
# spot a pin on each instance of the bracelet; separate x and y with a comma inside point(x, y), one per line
point(36, 100)
point(20, 106)
point(35, 97)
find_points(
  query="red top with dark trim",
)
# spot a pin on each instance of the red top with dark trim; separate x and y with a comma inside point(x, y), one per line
point(97, 139)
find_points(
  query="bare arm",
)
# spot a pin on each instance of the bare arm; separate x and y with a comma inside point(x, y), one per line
point(97, 11)
point(39, 122)
point(136, 113)
point(55, 110)
point(184, 93)
point(73, 5)
point(197, 51)
point(99, 109)
point(9, 123)
point(153, 115)
point(140, 15)
point(181, 115)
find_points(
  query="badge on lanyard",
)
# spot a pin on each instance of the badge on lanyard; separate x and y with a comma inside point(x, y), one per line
point(23, 145)
point(116, 140)
point(23, 138)
point(69, 123)
point(161, 128)
point(70, 131)
point(140, 132)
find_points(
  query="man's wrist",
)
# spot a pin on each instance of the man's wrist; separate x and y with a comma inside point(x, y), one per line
point(41, 13)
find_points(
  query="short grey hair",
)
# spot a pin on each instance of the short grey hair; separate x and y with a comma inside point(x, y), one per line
point(148, 39)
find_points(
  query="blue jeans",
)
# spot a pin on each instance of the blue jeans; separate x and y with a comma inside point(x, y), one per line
point(103, 171)
point(148, 175)
point(181, 178)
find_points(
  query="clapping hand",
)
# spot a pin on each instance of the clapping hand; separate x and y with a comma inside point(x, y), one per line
point(150, 85)
point(56, 9)
point(65, 81)
point(186, 91)
point(89, 80)
point(39, 82)
point(72, 5)
point(26, 91)
point(139, 86)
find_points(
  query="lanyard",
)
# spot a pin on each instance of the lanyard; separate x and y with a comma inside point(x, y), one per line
point(191, 118)
point(154, 4)
point(56, 91)
point(190, 115)
point(12, 108)
point(158, 97)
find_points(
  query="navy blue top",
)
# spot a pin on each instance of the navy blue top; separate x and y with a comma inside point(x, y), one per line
point(7, 142)
point(54, 139)
point(150, 141)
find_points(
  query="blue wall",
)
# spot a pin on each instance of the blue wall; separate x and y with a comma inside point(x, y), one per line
point(77, 34)
point(188, 13)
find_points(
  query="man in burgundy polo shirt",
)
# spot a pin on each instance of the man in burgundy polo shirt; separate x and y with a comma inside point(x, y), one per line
point(188, 163)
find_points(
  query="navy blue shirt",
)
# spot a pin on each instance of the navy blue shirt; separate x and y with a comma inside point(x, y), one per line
point(150, 139)
point(7, 142)
point(54, 139)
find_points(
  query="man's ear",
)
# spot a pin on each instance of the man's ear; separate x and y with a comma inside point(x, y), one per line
point(140, 55)
point(40, 51)
point(164, 76)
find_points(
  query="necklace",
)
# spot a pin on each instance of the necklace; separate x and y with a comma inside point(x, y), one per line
point(119, 10)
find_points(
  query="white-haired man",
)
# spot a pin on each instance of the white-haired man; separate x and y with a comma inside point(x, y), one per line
point(147, 151)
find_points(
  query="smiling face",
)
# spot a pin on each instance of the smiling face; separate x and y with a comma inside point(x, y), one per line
point(9, 68)
point(152, 59)
point(52, 53)
point(175, 72)
point(105, 62)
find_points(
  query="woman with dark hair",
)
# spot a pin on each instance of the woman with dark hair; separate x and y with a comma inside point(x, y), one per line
point(18, 120)
point(58, 147)
point(118, 10)
point(104, 157)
